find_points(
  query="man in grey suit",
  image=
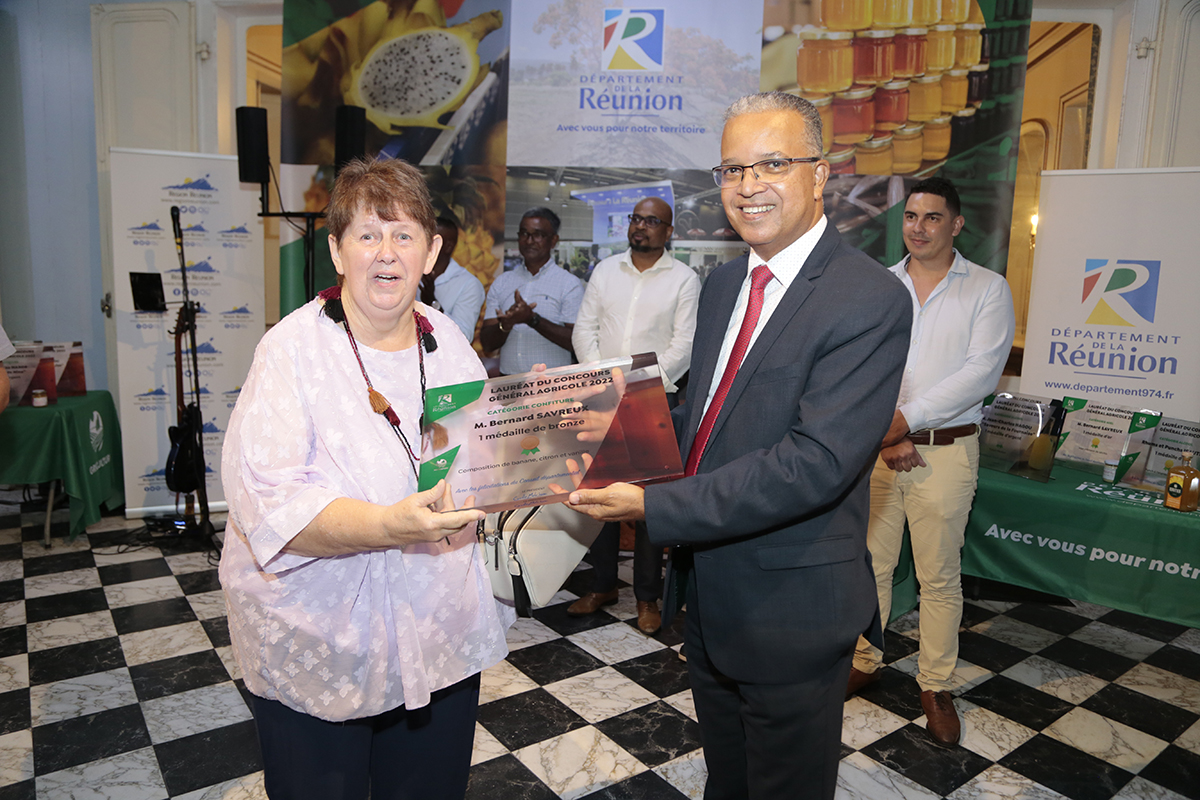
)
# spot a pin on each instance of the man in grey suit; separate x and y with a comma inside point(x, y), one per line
point(796, 368)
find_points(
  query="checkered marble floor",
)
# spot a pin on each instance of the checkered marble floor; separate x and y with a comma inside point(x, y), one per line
point(116, 681)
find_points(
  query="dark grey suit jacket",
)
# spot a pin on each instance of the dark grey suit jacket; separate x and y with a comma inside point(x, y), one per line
point(776, 516)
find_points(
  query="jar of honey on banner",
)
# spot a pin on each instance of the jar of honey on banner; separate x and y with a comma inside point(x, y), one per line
point(874, 156)
point(908, 145)
point(912, 52)
point(936, 143)
point(954, 90)
point(891, 105)
point(854, 115)
point(927, 12)
point(941, 48)
point(824, 104)
point(841, 159)
point(955, 12)
point(978, 84)
point(874, 56)
point(892, 13)
point(968, 44)
point(925, 97)
point(844, 15)
point(962, 131)
point(825, 61)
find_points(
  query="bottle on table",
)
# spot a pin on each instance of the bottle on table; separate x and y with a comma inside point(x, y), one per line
point(1183, 486)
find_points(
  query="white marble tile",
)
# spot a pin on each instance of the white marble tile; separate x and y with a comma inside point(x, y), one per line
point(861, 778)
point(196, 711)
point(1089, 610)
point(688, 774)
point(907, 665)
point(12, 570)
point(16, 757)
point(58, 546)
point(999, 606)
point(14, 672)
point(1167, 686)
point(227, 658)
point(626, 605)
point(113, 523)
point(11, 536)
point(486, 746)
point(998, 783)
point(1106, 739)
point(208, 605)
point(107, 556)
point(247, 787)
point(12, 613)
point(967, 676)
point(527, 631)
point(503, 680)
point(1056, 679)
point(625, 572)
point(1142, 789)
point(1117, 640)
point(61, 582)
point(1017, 633)
point(80, 696)
point(988, 733)
point(1189, 640)
point(135, 593)
point(562, 596)
point(129, 776)
point(70, 630)
point(159, 643)
point(614, 643)
point(907, 624)
point(190, 562)
point(683, 702)
point(579, 763)
point(600, 694)
point(1190, 739)
point(863, 722)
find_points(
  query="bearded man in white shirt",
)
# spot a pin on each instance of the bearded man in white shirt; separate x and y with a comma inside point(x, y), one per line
point(638, 301)
point(929, 460)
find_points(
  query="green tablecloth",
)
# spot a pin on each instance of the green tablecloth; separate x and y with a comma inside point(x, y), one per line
point(78, 439)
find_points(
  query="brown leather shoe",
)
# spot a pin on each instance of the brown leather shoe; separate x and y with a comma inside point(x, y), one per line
point(859, 680)
point(942, 718)
point(590, 603)
point(649, 618)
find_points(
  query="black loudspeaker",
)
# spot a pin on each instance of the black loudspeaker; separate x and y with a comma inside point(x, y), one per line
point(253, 159)
point(351, 136)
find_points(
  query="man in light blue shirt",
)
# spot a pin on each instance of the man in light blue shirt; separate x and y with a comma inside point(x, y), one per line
point(449, 287)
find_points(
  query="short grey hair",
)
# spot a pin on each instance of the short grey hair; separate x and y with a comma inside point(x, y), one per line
point(782, 101)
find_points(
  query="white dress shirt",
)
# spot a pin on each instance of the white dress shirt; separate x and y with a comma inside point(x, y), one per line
point(785, 266)
point(626, 311)
point(557, 293)
point(460, 295)
point(961, 338)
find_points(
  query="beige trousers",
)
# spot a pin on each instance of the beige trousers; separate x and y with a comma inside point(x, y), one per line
point(935, 499)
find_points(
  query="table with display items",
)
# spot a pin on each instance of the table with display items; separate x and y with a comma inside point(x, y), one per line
point(1081, 538)
point(76, 440)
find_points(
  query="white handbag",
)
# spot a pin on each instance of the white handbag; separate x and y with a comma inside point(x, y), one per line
point(530, 553)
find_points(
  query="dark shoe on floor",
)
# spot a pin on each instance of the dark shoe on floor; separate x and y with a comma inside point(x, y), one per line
point(859, 680)
point(649, 618)
point(590, 603)
point(942, 718)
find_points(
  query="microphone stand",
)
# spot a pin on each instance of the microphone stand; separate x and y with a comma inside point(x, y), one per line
point(205, 527)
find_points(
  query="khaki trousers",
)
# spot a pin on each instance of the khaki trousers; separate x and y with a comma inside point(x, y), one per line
point(935, 499)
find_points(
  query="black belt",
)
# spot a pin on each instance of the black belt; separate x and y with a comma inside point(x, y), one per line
point(942, 435)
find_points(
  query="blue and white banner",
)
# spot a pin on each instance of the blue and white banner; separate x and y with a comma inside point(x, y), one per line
point(612, 205)
point(1113, 305)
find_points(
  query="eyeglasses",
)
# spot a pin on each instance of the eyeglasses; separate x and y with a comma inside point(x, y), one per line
point(772, 170)
point(649, 222)
point(537, 236)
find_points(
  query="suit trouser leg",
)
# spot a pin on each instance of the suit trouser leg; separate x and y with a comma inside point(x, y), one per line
point(647, 565)
point(604, 557)
point(885, 535)
point(767, 741)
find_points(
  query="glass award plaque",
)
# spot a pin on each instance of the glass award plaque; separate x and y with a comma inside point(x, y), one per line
point(1152, 456)
point(1019, 434)
point(524, 440)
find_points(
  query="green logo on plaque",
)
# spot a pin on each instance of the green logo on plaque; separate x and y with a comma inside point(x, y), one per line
point(433, 471)
point(445, 400)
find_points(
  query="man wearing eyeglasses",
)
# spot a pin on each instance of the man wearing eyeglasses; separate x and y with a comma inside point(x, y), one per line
point(639, 301)
point(796, 366)
point(533, 307)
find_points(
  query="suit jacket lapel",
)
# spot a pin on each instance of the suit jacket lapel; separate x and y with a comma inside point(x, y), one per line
point(707, 345)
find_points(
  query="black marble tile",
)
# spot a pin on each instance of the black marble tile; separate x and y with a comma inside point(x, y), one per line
point(553, 661)
point(669, 635)
point(1016, 701)
point(112, 574)
point(11, 552)
point(1064, 769)
point(1177, 660)
point(12, 641)
point(973, 615)
point(34, 529)
point(1048, 617)
point(643, 786)
point(506, 777)
point(911, 752)
point(25, 790)
point(661, 673)
point(11, 591)
point(1139, 711)
point(1088, 658)
point(158, 614)
point(526, 718)
point(60, 562)
point(197, 582)
point(178, 674)
point(896, 692)
point(68, 604)
point(203, 759)
point(989, 653)
point(217, 629)
point(77, 741)
point(555, 618)
point(653, 734)
point(14, 711)
point(896, 647)
point(1145, 626)
point(73, 660)
point(1176, 769)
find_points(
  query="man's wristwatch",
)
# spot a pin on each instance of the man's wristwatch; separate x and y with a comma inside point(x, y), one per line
point(535, 321)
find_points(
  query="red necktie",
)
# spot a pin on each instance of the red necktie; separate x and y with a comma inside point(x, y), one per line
point(759, 278)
